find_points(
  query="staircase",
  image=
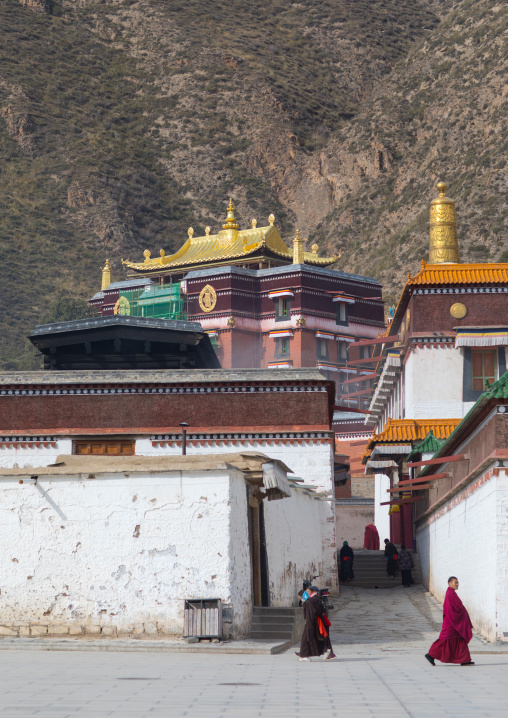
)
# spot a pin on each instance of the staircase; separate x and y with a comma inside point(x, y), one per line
point(370, 570)
point(277, 624)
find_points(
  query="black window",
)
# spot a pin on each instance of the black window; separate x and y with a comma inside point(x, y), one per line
point(282, 347)
point(282, 309)
point(341, 313)
point(321, 348)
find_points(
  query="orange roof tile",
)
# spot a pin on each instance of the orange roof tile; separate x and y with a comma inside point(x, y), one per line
point(397, 430)
point(460, 274)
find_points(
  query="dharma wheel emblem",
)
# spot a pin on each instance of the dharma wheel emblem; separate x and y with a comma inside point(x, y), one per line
point(458, 310)
point(207, 298)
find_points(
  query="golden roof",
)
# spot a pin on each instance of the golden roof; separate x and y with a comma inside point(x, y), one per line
point(460, 274)
point(229, 244)
point(397, 430)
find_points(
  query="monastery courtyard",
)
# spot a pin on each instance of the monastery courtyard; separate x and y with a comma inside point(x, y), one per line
point(380, 638)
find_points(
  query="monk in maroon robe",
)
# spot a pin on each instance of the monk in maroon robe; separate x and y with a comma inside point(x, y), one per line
point(451, 646)
point(314, 645)
point(371, 538)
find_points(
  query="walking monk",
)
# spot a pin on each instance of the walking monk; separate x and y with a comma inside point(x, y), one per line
point(451, 646)
point(315, 645)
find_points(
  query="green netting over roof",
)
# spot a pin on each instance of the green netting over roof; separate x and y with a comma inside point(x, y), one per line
point(429, 445)
point(165, 302)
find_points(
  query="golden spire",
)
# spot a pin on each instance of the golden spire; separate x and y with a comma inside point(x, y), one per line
point(444, 246)
point(106, 275)
point(298, 251)
point(230, 222)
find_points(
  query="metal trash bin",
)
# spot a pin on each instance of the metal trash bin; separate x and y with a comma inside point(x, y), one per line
point(202, 618)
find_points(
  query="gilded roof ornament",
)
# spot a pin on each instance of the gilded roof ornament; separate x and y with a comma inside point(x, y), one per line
point(190, 232)
point(230, 222)
point(315, 248)
point(162, 253)
point(147, 254)
point(298, 250)
point(106, 275)
point(271, 220)
point(254, 223)
point(444, 246)
point(207, 231)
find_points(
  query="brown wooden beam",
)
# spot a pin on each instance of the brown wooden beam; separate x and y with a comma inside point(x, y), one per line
point(430, 477)
point(357, 393)
point(441, 460)
point(361, 377)
point(402, 501)
point(416, 487)
point(379, 340)
point(370, 360)
point(352, 409)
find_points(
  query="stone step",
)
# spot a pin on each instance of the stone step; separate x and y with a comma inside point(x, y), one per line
point(273, 621)
point(276, 611)
point(287, 635)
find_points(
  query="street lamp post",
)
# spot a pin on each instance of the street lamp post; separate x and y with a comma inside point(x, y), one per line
point(184, 426)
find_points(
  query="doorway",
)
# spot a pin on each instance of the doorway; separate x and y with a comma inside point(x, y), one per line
point(259, 559)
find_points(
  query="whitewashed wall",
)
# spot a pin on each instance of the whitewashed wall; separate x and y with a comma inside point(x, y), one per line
point(382, 513)
point(434, 383)
point(294, 540)
point(463, 542)
point(312, 462)
point(122, 553)
point(20, 454)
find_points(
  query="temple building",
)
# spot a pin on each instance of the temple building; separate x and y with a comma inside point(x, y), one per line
point(263, 304)
point(445, 346)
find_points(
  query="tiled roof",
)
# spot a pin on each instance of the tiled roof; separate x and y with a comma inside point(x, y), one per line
point(460, 274)
point(413, 430)
point(428, 446)
point(213, 248)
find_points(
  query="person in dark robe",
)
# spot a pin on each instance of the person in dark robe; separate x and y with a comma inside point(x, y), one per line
point(392, 556)
point(371, 538)
point(406, 564)
point(347, 557)
point(313, 644)
point(451, 646)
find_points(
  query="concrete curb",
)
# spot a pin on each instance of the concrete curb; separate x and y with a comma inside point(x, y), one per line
point(253, 647)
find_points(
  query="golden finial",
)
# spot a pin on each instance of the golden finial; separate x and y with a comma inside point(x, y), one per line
point(271, 219)
point(315, 248)
point(298, 250)
point(147, 254)
point(207, 231)
point(106, 275)
point(254, 223)
point(444, 246)
point(162, 253)
point(190, 232)
point(230, 222)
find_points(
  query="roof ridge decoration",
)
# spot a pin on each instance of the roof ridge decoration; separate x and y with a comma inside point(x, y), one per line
point(443, 246)
point(228, 244)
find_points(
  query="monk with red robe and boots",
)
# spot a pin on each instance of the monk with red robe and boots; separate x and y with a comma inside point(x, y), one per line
point(451, 646)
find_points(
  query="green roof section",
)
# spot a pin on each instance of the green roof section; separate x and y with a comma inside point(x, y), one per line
point(497, 390)
point(429, 445)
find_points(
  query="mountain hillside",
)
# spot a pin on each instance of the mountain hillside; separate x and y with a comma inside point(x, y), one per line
point(123, 122)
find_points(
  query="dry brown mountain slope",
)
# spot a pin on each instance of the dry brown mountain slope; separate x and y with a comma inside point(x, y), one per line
point(442, 114)
point(124, 121)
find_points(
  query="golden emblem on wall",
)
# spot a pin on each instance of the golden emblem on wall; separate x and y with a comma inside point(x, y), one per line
point(207, 298)
point(122, 307)
point(458, 310)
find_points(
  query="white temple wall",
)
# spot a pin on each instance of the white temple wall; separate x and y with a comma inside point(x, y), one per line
point(294, 543)
point(121, 553)
point(382, 513)
point(308, 460)
point(434, 383)
point(18, 453)
point(468, 538)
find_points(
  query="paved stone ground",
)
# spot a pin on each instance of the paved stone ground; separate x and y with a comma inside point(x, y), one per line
point(380, 638)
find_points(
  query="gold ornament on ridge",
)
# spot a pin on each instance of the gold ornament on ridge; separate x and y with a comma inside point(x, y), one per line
point(444, 246)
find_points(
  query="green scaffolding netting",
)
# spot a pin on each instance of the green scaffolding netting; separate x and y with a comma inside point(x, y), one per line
point(165, 302)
